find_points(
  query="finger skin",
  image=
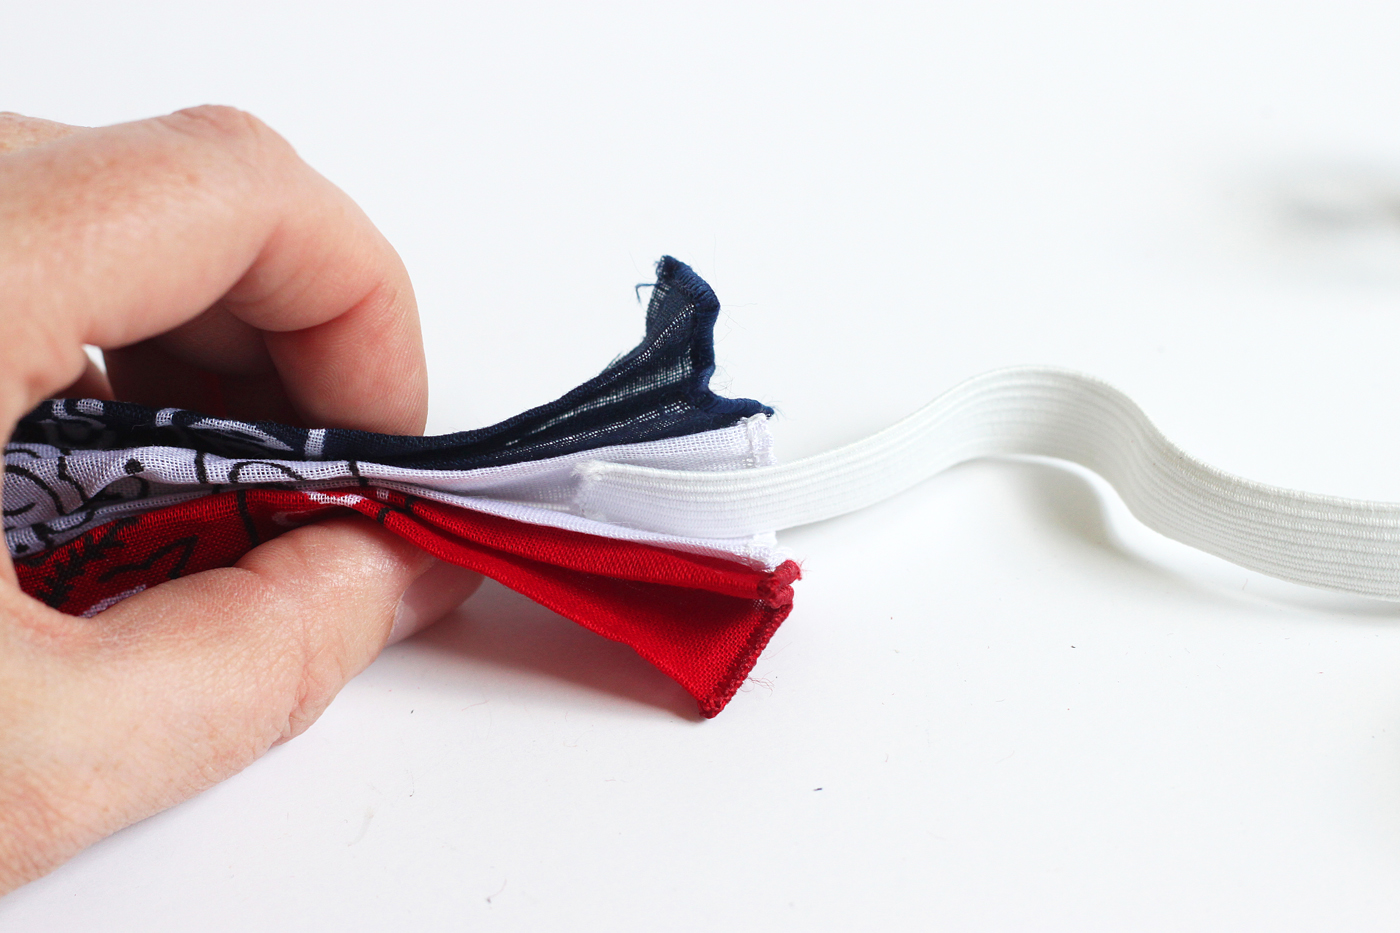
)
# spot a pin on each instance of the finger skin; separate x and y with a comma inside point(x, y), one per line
point(117, 235)
point(442, 588)
point(106, 721)
point(91, 384)
point(198, 251)
point(20, 132)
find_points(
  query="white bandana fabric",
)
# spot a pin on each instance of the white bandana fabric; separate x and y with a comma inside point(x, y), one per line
point(52, 495)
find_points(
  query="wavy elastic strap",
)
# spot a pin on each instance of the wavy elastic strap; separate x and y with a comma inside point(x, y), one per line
point(1324, 541)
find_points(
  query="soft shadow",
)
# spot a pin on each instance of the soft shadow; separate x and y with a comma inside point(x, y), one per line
point(1072, 504)
point(1069, 503)
point(1336, 219)
point(501, 628)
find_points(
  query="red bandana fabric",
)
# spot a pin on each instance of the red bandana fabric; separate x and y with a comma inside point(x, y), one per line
point(701, 620)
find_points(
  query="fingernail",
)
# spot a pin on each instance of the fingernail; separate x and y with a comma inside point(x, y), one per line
point(440, 589)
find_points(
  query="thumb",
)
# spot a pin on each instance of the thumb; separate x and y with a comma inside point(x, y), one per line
point(105, 721)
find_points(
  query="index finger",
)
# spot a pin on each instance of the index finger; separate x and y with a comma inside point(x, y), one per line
point(121, 233)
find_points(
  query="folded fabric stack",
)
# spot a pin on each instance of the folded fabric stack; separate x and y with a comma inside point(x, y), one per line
point(641, 505)
point(103, 499)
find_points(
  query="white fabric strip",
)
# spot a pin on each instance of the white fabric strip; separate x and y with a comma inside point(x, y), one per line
point(1340, 544)
point(758, 550)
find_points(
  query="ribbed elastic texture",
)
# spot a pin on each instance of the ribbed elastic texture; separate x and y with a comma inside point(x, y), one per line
point(1324, 541)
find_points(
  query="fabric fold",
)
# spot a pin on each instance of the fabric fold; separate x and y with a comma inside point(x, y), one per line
point(52, 494)
point(640, 504)
point(700, 620)
point(660, 389)
point(103, 499)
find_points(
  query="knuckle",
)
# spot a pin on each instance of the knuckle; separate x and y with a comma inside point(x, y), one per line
point(322, 677)
point(228, 128)
point(218, 120)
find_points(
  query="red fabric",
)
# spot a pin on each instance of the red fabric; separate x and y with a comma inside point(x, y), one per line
point(701, 620)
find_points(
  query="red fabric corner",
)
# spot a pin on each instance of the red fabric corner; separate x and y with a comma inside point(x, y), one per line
point(700, 620)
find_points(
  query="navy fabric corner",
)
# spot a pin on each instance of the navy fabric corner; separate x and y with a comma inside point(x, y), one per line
point(658, 390)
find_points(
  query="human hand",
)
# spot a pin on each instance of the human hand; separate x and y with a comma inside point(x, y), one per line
point(217, 271)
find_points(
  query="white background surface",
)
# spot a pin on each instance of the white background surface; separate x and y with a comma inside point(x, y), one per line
point(1023, 711)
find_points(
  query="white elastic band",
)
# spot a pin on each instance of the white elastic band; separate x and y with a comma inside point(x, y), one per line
point(1325, 541)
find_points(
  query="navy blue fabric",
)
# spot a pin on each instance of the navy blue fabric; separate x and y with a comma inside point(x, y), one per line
point(658, 390)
